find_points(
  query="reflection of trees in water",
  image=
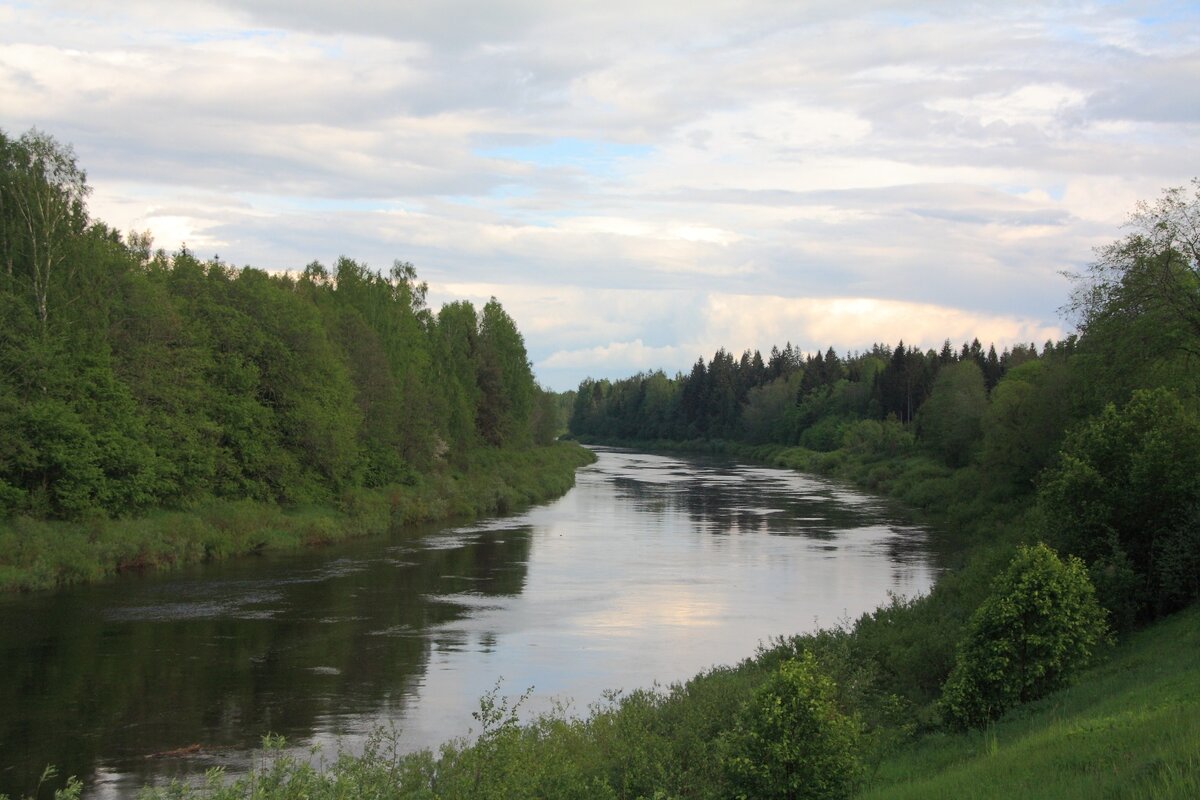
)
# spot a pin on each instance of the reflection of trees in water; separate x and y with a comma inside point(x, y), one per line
point(270, 655)
point(727, 502)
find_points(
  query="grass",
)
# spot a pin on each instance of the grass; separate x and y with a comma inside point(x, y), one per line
point(1129, 728)
point(42, 554)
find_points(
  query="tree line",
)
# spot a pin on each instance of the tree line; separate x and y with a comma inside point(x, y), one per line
point(788, 398)
point(132, 378)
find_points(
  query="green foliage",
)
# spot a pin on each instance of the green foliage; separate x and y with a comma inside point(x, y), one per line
point(131, 379)
point(455, 345)
point(1025, 422)
point(1124, 496)
point(41, 554)
point(1131, 729)
point(1037, 628)
point(506, 388)
point(42, 195)
point(764, 417)
point(949, 423)
point(870, 437)
point(72, 790)
point(791, 741)
point(1138, 304)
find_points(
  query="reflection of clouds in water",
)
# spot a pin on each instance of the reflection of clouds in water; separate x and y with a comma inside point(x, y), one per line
point(331, 671)
point(654, 608)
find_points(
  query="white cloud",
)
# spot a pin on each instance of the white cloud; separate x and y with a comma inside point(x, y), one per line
point(854, 323)
point(624, 356)
point(944, 163)
point(1036, 104)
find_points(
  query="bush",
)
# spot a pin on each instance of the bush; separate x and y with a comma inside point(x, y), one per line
point(870, 437)
point(790, 739)
point(1036, 628)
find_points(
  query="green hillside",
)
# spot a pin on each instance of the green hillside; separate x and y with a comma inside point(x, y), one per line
point(1129, 728)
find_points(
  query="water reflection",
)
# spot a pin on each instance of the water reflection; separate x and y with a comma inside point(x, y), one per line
point(651, 569)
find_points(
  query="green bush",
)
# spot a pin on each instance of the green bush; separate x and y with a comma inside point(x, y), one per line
point(870, 437)
point(790, 739)
point(1037, 627)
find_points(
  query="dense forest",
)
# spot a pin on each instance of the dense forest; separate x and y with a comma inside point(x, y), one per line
point(134, 380)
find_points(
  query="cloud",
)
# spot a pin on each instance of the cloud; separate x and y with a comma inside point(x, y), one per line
point(633, 355)
point(608, 168)
point(853, 323)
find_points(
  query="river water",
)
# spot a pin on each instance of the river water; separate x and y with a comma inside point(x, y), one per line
point(651, 569)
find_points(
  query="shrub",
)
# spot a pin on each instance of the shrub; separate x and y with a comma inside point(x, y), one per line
point(1036, 628)
point(791, 741)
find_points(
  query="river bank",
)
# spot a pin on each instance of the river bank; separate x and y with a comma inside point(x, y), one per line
point(44, 554)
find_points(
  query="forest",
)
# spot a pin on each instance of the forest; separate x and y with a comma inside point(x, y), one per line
point(133, 381)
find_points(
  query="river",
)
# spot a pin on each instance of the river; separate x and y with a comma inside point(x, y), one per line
point(651, 569)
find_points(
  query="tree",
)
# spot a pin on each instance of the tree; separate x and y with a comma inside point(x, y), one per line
point(1156, 265)
point(42, 194)
point(1122, 496)
point(1138, 303)
point(949, 422)
point(455, 346)
point(1038, 627)
point(1025, 421)
point(765, 412)
point(791, 741)
point(505, 379)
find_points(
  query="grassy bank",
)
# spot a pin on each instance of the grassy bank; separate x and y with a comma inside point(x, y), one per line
point(1128, 728)
point(38, 554)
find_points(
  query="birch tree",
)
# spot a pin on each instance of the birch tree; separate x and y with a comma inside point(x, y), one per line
point(42, 196)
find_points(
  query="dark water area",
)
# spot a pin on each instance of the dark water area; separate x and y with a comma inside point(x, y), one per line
point(651, 569)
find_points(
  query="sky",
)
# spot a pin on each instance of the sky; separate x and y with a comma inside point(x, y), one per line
point(638, 183)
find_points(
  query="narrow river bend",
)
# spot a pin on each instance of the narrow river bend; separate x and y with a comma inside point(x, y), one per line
point(652, 569)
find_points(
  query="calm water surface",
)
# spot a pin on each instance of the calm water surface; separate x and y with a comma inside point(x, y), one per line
point(651, 569)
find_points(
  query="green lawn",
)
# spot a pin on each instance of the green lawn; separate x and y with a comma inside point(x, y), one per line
point(1128, 728)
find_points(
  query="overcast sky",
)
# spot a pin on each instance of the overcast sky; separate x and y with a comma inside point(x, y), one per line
point(638, 183)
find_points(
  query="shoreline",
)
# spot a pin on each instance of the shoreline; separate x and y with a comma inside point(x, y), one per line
point(39, 555)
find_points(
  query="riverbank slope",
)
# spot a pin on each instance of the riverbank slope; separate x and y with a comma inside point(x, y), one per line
point(44, 554)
